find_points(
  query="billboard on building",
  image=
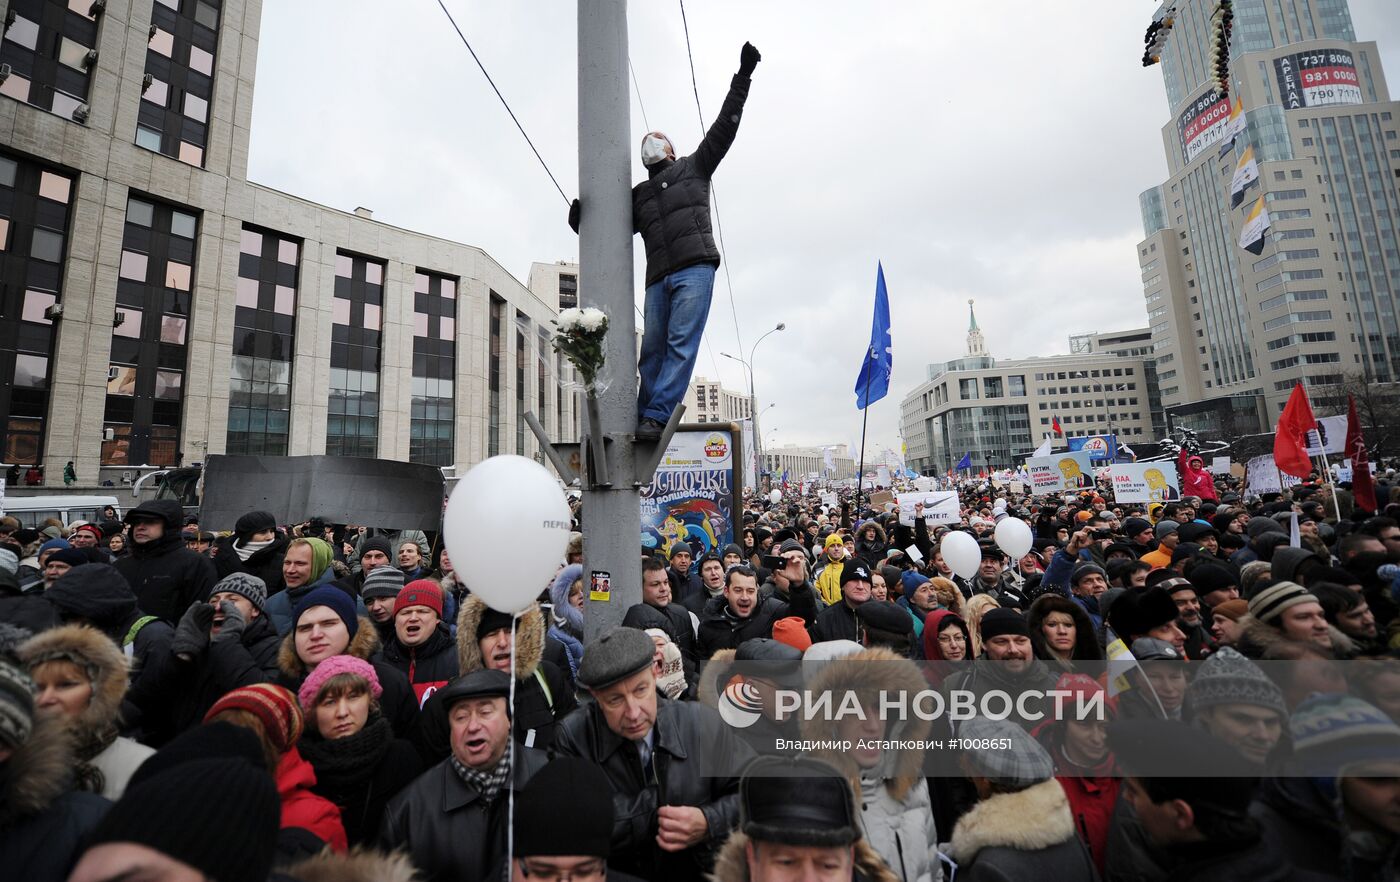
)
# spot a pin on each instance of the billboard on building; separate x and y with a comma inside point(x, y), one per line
point(694, 495)
point(1203, 123)
point(1101, 448)
point(1317, 78)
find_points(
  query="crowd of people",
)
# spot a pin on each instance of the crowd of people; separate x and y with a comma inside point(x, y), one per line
point(323, 701)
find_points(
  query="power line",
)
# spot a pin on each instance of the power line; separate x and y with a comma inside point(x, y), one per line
point(638, 89)
point(719, 228)
point(503, 101)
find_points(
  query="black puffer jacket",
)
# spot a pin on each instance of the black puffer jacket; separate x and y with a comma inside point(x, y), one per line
point(696, 761)
point(447, 829)
point(721, 629)
point(265, 563)
point(165, 575)
point(672, 208)
point(428, 666)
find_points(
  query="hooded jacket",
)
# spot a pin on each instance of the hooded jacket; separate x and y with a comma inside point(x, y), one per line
point(732, 865)
point(165, 575)
point(281, 604)
point(106, 761)
point(671, 209)
point(397, 701)
point(265, 563)
point(1195, 480)
point(895, 812)
point(1028, 834)
point(303, 808)
point(935, 622)
point(1086, 642)
point(543, 696)
point(44, 822)
point(690, 743)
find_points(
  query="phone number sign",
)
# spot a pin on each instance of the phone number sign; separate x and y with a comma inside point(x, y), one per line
point(1317, 78)
point(1203, 123)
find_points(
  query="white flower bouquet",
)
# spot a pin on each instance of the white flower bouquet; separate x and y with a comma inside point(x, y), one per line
point(580, 338)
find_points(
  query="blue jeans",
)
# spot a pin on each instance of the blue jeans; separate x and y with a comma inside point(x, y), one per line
point(676, 310)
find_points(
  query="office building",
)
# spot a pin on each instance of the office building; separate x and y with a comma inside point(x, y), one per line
point(998, 411)
point(709, 402)
point(159, 306)
point(831, 463)
point(1233, 332)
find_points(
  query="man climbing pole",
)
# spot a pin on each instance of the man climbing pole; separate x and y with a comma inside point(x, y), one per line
point(671, 209)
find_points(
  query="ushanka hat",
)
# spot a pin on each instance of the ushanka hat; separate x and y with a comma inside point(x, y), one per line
point(797, 801)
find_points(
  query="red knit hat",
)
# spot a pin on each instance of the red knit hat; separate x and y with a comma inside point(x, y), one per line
point(420, 592)
point(793, 632)
point(273, 705)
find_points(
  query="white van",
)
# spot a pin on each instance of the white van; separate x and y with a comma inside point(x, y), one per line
point(31, 511)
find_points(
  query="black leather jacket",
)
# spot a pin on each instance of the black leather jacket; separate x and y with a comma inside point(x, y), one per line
point(695, 761)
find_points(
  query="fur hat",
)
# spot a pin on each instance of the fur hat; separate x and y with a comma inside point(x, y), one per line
point(798, 801)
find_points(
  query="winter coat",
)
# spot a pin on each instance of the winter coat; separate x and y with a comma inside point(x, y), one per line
point(429, 666)
point(543, 696)
point(983, 678)
point(44, 822)
point(165, 575)
point(827, 579)
point(871, 550)
point(1256, 638)
point(837, 622)
point(1307, 829)
point(1017, 837)
point(28, 611)
point(1195, 480)
point(895, 811)
point(397, 701)
point(573, 647)
point(671, 209)
point(360, 774)
point(1086, 641)
point(449, 831)
point(1092, 793)
point(695, 761)
point(356, 866)
point(117, 763)
point(678, 625)
point(185, 690)
point(721, 629)
point(302, 807)
point(265, 563)
point(732, 865)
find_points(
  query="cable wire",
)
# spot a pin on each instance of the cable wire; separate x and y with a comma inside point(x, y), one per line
point(719, 228)
point(638, 90)
point(513, 118)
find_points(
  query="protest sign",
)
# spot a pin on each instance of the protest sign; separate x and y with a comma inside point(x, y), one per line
point(940, 507)
point(1145, 482)
point(1062, 471)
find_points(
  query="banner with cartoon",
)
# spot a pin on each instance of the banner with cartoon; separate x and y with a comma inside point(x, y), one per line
point(1060, 471)
point(1101, 448)
point(695, 493)
point(1145, 482)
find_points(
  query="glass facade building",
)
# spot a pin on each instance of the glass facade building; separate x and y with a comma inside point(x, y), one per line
point(264, 328)
point(180, 55)
point(434, 368)
point(352, 422)
point(51, 48)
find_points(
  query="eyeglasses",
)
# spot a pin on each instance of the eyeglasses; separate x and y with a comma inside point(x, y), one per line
point(950, 639)
point(549, 873)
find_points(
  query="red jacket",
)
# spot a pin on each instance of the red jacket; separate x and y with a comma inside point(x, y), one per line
point(304, 809)
point(1091, 802)
point(1195, 480)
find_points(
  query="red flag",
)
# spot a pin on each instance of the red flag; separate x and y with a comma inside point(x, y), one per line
point(1291, 439)
point(1055, 424)
point(1363, 489)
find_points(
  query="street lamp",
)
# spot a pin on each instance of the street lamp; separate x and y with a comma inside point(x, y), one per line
point(753, 400)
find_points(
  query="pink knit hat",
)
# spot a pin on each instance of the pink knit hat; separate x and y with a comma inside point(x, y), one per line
point(337, 664)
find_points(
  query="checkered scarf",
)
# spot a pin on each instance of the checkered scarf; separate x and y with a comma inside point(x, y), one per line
point(488, 782)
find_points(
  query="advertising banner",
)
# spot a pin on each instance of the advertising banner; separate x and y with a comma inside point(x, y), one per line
point(1101, 448)
point(1203, 123)
point(1261, 475)
point(1062, 471)
point(1145, 482)
point(940, 507)
point(695, 493)
point(1317, 78)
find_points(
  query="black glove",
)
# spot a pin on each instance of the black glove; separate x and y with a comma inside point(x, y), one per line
point(231, 628)
point(748, 60)
point(574, 211)
point(192, 634)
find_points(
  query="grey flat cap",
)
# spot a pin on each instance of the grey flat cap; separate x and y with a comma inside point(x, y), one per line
point(615, 656)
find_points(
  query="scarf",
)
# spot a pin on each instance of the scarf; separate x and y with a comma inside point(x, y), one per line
point(487, 782)
point(251, 548)
point(348, 761)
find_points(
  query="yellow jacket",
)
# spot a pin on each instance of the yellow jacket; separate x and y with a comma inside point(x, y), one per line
point(829, 582)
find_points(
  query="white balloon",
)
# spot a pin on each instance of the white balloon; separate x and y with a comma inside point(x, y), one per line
point(506, 527)
point(1014, 537)
point(775, 497)
point(961, 552)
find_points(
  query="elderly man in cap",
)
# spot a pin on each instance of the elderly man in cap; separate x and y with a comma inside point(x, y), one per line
point(841, 620)
point(1022, 827)
point(452, 819)
point(798, 821)
point(565, 838)
point(672, 765)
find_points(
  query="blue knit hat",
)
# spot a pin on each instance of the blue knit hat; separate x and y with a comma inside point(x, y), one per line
point(910, 581)
point(1333, 731)
point(53, 544)
point(329, 595)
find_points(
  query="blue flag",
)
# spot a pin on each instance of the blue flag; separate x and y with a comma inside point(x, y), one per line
point(874, 380)
point(965, 462)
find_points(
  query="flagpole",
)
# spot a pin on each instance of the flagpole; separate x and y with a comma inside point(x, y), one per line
point(864, 419)
point(1326, 467)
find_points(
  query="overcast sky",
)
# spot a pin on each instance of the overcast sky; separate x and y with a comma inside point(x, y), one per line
point(992, 151)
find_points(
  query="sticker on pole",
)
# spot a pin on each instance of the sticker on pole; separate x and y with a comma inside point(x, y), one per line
point(600, 586)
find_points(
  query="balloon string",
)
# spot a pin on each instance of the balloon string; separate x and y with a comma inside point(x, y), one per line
point(514, 760)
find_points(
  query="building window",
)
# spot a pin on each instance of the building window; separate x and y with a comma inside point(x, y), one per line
point(430, 435)
point(568, 290)
point(145, 384)
point(352, 420)
point(34, 205)
point(522, 364)
point(264, 325)
point(49, 46)
point(173, 117)
point(497, 365)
